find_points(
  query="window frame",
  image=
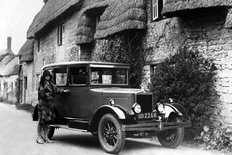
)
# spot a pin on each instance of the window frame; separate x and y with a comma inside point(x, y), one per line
point(112, 84)
point(156, 8)
point(54, 75)
point(60, 34)
point(39, 44)
point(69, 76)
point(25, 82)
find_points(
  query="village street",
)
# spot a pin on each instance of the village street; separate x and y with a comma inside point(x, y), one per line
point(18, 134)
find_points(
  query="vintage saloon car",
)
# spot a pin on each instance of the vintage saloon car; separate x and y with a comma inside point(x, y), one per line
point(102, 103)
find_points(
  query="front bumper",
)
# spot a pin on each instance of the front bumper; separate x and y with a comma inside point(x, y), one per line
point(155, 126)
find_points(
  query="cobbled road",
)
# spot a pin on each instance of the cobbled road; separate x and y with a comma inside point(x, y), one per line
point(18, 135)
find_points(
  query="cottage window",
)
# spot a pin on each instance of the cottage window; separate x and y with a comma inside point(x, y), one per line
point(25, 82)
point(60, 34)
point(156, 8)
point(38, 44)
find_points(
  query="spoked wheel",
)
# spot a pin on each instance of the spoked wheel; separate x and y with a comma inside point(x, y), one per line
point(110, 134)
point(51, 132)
point(173, 137)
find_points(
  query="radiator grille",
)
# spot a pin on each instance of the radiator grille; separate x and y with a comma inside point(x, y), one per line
point(145, 100)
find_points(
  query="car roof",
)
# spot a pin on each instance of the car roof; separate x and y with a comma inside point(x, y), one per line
point(90, 63)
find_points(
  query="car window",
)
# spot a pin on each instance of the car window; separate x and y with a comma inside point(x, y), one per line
point(60, 76)
point(78, 75)
point(109, 76)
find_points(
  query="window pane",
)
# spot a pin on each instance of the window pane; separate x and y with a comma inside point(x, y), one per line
point(78, 75)
point(109, 76)
point(60, 34)
point(155, 9)
point(60, 76)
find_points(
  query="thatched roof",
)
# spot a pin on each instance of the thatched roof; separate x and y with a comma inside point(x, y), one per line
point(175, 7)
point(9, 66)
point(117, 16)
point(50, 12)
point(5, 53)
point(228, 23)
point(26, 53)
point(12, 68)
point(86, 26)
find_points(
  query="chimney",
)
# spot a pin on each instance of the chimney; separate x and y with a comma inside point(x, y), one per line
point(45, 1)
point(9, 43)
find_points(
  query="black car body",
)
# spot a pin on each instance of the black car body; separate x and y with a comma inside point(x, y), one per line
point(102, 103)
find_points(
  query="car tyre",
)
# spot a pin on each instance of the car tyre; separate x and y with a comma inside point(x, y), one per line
point(173, 137)
point(110, 134)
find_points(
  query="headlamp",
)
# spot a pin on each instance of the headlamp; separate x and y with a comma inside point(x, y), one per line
point(136, 108)
point(160, 107)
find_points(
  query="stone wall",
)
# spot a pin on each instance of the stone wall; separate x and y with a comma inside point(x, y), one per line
point(28, 87)
point(50, 52)
point(205, 32)
point(8, 88)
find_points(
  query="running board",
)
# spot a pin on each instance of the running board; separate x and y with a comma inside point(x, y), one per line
point(66, 127)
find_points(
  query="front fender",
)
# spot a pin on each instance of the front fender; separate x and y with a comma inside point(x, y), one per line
point(174, 108)
point(119, 113)
point(116, 111)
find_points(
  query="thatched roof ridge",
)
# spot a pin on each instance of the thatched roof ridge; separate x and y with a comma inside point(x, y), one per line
point(49, 12)
point(172, 7)
point(26, 53)
point(117, 16)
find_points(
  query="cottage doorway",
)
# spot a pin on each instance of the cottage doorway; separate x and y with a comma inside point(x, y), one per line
point(20, 91)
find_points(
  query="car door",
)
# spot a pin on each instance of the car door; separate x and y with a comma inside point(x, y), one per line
point(79, 103)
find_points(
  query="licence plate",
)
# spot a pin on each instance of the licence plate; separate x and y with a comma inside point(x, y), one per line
point(147, 115)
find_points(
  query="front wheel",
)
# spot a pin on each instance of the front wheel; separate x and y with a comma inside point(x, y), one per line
point(110, 134)
point(173, 137)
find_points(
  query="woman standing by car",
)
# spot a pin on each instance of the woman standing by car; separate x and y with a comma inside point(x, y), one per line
point(46, 106)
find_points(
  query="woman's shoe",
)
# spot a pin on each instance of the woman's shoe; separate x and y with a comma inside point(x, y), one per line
point(40, 141)
point(48, 141)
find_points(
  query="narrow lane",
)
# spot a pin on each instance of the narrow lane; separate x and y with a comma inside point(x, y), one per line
point(18, 134)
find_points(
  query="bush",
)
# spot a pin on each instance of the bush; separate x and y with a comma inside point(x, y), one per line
point(219, 138)
point(125, 48)
point(188, 78)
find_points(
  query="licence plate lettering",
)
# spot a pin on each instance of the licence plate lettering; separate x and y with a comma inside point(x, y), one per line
point(147, 115)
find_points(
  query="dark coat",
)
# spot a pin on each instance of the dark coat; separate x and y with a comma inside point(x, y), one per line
point(46, 107)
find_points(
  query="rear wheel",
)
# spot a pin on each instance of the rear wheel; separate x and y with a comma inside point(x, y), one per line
point(110, 134)
point(173, 137)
